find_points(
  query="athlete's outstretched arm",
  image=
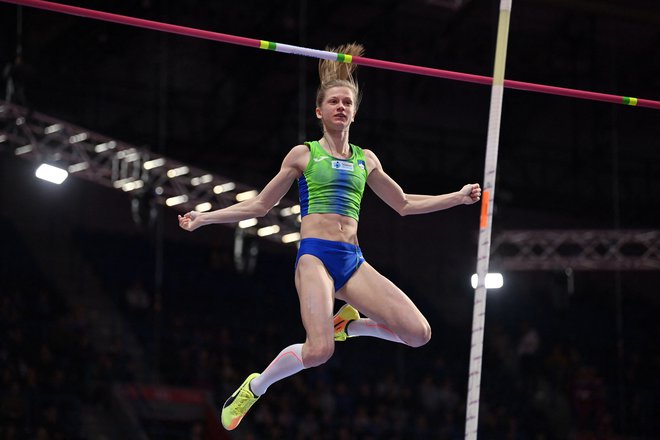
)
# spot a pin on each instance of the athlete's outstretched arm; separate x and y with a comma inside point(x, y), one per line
point(408, 204)
point(291, 168)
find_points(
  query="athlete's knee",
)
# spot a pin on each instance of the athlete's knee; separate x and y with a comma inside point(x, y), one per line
point(317, 354)
point(421, 336)
point(306, 262)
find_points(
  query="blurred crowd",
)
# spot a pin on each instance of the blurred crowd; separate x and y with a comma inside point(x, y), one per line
point(210, 327)
point(48, 366)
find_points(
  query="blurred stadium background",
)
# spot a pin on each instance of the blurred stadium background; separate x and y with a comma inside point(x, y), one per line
point(117, 324)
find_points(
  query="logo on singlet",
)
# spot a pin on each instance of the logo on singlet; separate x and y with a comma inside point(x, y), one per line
point(319, 159)
point(342, 165)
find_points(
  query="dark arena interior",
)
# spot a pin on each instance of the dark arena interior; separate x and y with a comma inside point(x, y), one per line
point(118, 324)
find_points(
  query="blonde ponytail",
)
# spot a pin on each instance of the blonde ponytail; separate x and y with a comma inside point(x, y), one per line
point(338, 74)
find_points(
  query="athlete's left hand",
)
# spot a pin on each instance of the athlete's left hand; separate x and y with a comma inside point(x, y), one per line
point(471, 193)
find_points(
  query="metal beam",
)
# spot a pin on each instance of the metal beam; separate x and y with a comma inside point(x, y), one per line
point(594, 250)
point(125, 167)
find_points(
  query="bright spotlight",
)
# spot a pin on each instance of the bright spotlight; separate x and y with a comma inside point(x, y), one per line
point(290, 238)
point(268, 230)
point(51, 174)
point(203, 207)
point(493, 280)
point(246, 195)
point(248, 223)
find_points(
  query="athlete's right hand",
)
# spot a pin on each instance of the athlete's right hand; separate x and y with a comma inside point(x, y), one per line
point(189, 221)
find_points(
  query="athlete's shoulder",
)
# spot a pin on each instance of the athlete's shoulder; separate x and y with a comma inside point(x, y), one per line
point(298, 157)
point(300, 148)
point(369, 153)
point(372, 160)
point(298, 152)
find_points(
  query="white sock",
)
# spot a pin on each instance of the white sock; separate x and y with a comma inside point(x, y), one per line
point(369, 327)
point(287, 363)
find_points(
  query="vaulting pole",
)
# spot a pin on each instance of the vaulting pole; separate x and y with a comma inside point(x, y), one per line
point(486, 224)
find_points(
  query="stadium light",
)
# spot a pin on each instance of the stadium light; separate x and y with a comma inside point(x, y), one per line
point(51, 174)
point(493, 280)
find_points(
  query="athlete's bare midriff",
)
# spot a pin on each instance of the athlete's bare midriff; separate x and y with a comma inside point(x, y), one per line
point(333, 227)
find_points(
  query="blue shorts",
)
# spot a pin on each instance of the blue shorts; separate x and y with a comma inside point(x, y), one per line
point(340, 259)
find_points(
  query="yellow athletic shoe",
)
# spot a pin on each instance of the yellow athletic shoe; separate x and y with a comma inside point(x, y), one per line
point(238, 404)
point(346, 314)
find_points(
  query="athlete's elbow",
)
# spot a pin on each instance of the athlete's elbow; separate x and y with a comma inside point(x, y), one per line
point(261, 208)
point(404, 209)
point(261, 212)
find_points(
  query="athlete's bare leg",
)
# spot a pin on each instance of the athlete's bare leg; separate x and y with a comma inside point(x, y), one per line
point(382, 301)
point(315, 292)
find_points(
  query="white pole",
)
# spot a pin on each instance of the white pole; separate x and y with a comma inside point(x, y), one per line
point(485, 227)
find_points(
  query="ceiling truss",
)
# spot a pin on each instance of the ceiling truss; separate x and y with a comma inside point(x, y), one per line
point(125, 167)
point(594, 250)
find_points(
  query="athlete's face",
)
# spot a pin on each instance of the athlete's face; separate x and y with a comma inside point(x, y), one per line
point(337, 108)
